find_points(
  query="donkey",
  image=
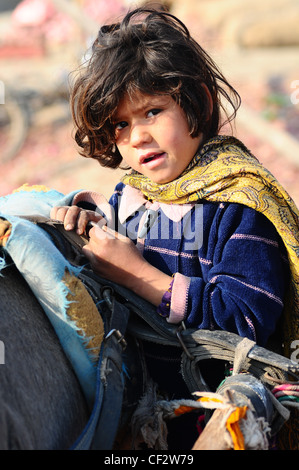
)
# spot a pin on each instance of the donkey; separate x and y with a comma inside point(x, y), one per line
point(42, 405)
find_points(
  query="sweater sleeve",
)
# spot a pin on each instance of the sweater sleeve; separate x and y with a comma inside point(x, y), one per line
point(244, 288)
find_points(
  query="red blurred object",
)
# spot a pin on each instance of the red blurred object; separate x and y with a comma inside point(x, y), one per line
point(34, 24)
point(38, 23)
point(33, 12)
point(13, 51)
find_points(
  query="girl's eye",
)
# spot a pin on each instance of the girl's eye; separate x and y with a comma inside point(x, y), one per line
point(153, 112)
point(120, 125)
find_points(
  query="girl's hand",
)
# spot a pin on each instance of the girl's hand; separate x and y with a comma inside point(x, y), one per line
point(75, 218)
point(116, 258)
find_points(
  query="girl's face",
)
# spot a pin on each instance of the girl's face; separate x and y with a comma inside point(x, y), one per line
point(152, 136)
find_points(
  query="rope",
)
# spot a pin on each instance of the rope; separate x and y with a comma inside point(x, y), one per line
point(287, 393)
point(149, 420)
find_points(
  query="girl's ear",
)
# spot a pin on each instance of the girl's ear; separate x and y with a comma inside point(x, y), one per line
point(210, 99)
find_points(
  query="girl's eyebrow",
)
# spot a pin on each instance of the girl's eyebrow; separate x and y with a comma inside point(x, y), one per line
point(152, 102)
point(137, 109)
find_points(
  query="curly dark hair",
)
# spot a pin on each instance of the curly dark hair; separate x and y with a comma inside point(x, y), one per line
point(151, 52)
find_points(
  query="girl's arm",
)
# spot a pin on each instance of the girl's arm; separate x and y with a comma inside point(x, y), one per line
point(243, 280)
point(114, 256)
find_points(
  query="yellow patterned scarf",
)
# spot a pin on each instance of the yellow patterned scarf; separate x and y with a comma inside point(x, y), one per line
point(225, 171)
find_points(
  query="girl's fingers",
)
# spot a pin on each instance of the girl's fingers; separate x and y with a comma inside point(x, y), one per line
point(85, 217)
point(72, 217)
point(59, 212)
point(101, 231)
point(75, 218)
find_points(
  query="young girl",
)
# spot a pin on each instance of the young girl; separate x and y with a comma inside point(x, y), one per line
point(197, 227)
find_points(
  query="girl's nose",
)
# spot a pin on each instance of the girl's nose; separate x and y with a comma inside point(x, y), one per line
point(140, 135)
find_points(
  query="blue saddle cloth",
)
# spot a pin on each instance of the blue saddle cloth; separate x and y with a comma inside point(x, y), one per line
point(44, 267)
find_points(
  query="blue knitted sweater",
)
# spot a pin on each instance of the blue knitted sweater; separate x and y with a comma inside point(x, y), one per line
point(229, 264)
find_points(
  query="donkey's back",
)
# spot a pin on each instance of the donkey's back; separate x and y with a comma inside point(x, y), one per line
point(41, 402)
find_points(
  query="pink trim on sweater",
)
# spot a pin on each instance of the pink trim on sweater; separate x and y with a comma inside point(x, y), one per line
point(244, 236)
point(90, 196)
point(98, 200)
point(133, 199)
point(179, 298)
point(169, 252)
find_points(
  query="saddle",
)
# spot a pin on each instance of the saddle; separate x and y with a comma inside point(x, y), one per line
point(122, 379)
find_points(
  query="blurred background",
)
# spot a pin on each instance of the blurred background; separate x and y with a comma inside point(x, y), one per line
point(256, 45)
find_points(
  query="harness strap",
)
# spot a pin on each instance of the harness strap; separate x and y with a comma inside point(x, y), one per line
point(69, 243)
point(241, 353)
point(112, 380)
point(204, 344)
point(101, 429)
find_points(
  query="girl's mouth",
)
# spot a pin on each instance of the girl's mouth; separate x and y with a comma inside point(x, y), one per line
point(152, 157)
